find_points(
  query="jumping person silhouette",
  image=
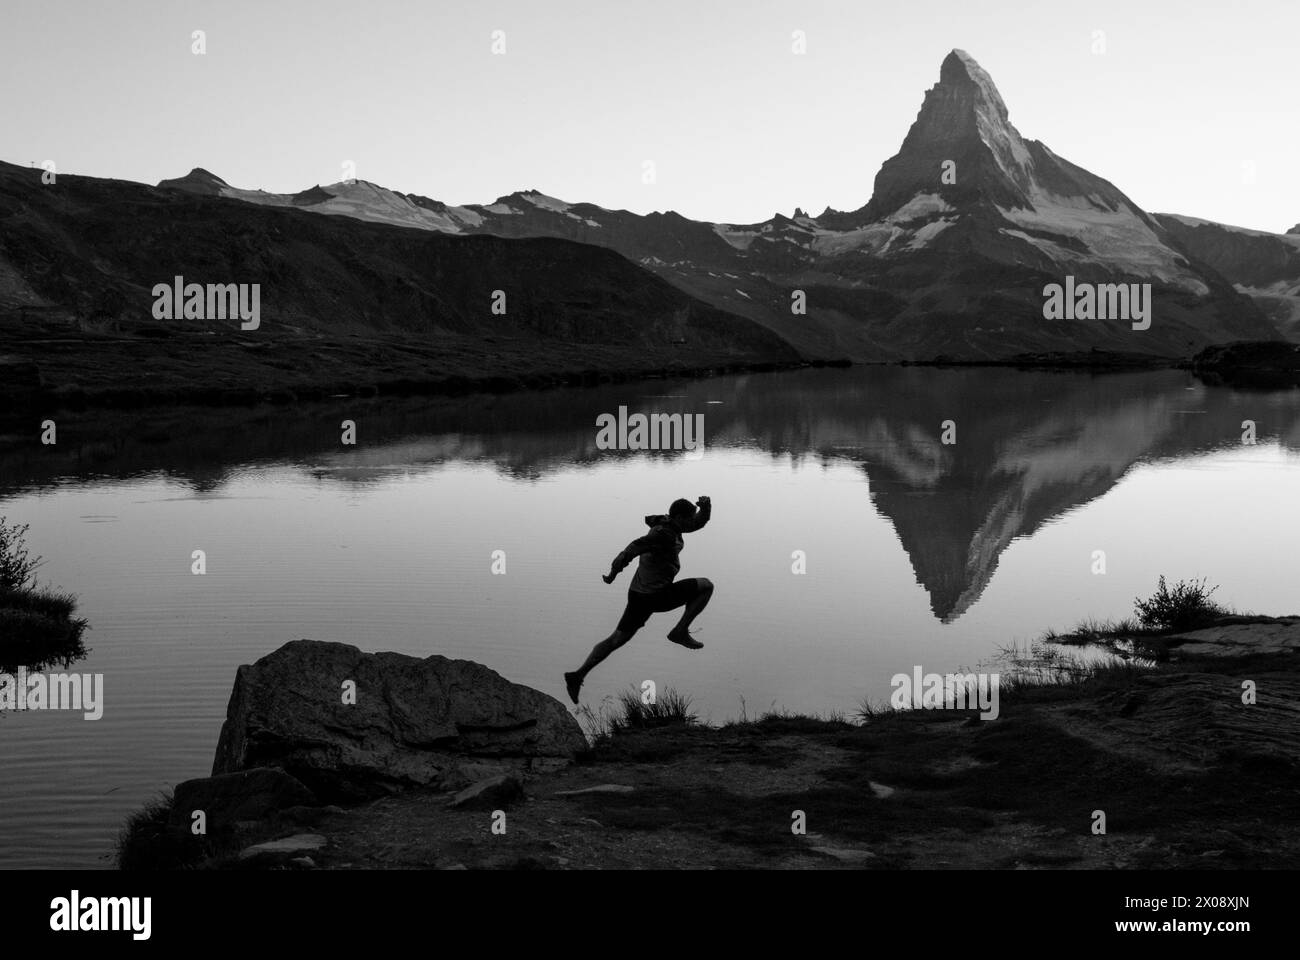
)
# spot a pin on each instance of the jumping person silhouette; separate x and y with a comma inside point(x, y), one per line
point(653, 588)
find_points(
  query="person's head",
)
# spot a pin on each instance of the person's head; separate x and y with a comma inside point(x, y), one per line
point(681, 512)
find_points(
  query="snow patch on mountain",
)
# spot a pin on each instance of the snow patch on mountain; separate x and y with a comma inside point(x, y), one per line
point(363, 200)
point(1278, 288)
point(465, 215)
point(922, 205)
point(545, 202)
point(895, 232)
point(875, 238)
point(992, 121)
point(1113, 238)
point(256, 196)
point(360, 200)
point(540, 201)
point(737, 237)
point(928, 232)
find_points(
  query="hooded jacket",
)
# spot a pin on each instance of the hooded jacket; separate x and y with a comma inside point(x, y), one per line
point(658, 550)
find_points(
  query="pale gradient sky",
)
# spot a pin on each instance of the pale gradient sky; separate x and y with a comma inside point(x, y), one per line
point(1191, 109)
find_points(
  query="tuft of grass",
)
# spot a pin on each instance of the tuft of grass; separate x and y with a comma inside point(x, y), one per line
point(148, 841)
point(1101, 632)
point(870, 711)
point(668, 707)
point(780, 720)
point(1046, 666)
point(595, 723)
point(624, 712)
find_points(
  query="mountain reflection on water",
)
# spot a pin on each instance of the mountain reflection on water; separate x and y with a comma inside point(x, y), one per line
point(1029, 446)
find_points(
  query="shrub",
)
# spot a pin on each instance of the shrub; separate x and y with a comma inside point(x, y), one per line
point(1185, 607)
point(15, 565)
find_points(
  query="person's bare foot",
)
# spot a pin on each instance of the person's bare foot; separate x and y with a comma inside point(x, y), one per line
point(573, 683)
point(684, 638)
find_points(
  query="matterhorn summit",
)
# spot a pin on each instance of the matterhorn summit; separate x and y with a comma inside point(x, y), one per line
point(962, 138)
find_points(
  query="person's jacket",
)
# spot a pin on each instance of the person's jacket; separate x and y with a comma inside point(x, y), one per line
point(658, 550)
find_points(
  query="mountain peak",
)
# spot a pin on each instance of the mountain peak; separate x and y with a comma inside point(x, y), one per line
point(1295, 229)
point(198, 173)
point(959, 69)
point(963, 128)
point(311, 196)
point(197, 180)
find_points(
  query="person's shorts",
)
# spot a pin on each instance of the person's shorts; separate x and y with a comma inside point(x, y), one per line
point(640, 605)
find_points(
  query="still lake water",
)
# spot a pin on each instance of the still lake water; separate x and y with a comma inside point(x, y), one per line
point(917, 553)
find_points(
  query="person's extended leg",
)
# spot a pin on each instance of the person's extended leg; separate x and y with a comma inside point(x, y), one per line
point(634, 617)
point(681, 633)
point(598, 654)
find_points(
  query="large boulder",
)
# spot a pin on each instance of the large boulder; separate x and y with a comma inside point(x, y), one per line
point(413, 723)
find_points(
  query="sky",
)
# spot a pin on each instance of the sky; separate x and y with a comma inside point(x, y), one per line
point(1188, 106)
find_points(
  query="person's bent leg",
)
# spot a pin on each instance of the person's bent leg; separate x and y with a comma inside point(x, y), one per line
point(681, 634)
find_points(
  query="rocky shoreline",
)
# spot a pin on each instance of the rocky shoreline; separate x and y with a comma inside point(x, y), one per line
point(1194, 763)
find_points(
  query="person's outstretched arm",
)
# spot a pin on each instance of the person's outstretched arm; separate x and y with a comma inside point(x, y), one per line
point(704, 510)
point(633, 550)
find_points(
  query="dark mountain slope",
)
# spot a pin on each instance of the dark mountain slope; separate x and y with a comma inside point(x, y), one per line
point(82, 257)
